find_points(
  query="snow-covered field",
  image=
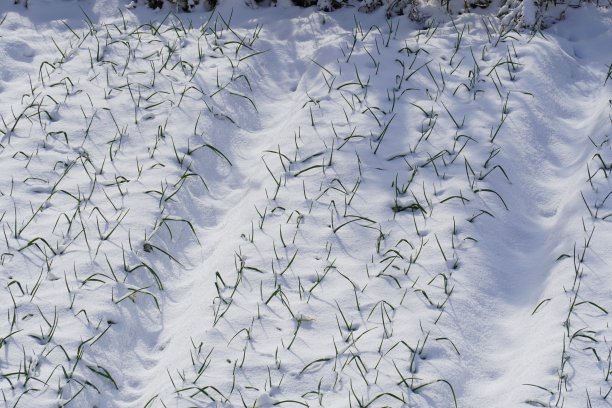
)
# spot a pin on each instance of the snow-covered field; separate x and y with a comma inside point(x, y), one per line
point(285, 207)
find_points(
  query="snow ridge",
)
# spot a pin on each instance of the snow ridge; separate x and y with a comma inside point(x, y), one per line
point(236, 209)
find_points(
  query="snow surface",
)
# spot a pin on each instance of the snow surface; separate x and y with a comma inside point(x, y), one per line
point(284, 207)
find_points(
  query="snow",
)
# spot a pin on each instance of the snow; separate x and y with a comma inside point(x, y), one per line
point(286, 207)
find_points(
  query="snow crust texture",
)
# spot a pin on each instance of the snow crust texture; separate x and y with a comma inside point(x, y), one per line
point(285, 207)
